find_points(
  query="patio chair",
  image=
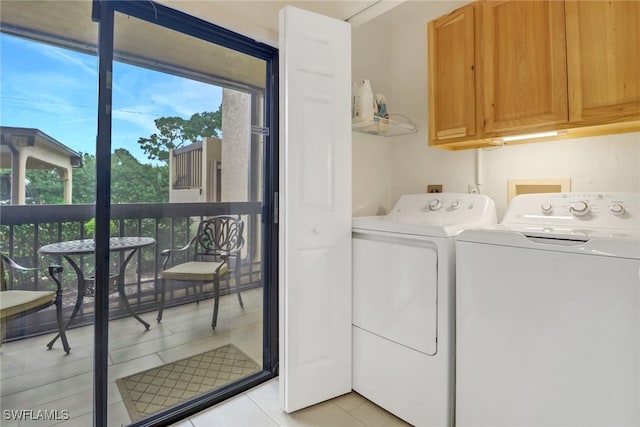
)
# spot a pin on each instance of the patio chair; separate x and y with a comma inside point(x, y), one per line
point(20, 302)
point(216, 252)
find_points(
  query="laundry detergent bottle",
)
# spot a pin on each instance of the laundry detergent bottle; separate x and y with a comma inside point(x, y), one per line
point(365, 102)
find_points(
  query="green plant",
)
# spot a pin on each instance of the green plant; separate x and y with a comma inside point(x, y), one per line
point(90, 227)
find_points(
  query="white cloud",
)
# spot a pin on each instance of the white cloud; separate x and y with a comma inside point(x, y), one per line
point(85, 63)
point(143, 122)
point(188, 97)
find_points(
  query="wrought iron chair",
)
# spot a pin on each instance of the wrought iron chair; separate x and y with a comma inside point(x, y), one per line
point(216, 250)
point(20, 302)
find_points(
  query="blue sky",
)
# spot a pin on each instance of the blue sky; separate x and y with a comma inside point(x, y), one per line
point(55, 90)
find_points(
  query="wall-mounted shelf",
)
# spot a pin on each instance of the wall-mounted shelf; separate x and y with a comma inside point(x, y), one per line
point(385, 127)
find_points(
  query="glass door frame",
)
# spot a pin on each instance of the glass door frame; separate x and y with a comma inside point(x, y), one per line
point(103, 12)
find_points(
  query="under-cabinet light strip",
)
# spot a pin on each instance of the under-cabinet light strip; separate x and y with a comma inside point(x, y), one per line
point(530, 136)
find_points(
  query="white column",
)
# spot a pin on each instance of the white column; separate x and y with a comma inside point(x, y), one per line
point(67, 178)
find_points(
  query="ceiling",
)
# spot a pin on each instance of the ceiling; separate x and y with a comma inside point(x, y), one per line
point(259, 18)
point(146, 44)
point(69, 24)
point(265, 13)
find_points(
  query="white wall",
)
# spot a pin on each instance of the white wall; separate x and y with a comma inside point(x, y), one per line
point(371, 155)
point(604, 163)
point(392, 51)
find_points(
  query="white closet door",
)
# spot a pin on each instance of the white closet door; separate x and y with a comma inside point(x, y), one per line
point(315, 208)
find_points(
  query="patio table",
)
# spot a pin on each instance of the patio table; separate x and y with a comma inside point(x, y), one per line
point(71, 248)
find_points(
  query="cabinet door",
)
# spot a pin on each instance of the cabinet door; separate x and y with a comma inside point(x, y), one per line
point(452, 84)
point(603, 44)
point(524, 65)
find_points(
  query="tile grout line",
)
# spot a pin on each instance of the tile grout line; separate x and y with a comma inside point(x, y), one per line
point(262, 409)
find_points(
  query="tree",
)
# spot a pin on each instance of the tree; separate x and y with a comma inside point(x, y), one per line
point(46, 186)
point(151, 182)
point(174, 132)
point(84, 181)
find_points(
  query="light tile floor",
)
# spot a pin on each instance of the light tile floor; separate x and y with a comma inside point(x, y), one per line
point(260, 407)
point(32, 377)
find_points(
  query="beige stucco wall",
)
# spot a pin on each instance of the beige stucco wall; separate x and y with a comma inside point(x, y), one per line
point(42, 154)
point(236, 134)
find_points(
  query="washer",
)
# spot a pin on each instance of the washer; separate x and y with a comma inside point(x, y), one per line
point(403, 303)
point(548, 314)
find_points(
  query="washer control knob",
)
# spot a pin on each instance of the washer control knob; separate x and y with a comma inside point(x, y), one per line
point(435, 205)
point(616, 209)
point(455, 204)
point(579, 208)
point(547, 208)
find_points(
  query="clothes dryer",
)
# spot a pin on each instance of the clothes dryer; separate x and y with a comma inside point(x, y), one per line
point(403, 303)
point(548, 314)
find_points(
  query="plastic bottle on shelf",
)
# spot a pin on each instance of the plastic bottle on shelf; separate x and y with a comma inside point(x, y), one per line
point(365, 103)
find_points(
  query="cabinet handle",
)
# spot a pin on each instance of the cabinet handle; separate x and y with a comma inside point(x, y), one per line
point(452, 133)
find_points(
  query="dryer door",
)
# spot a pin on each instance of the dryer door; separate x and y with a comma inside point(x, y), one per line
point(395, 288)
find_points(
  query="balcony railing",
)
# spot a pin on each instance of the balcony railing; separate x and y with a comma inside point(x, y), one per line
point(24, 229)
point(187, 164)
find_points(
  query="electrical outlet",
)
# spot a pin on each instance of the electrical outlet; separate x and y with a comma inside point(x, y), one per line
point(431, 188)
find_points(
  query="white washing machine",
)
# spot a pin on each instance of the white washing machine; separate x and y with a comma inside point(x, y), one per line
point(403, 303)
point(548, 314)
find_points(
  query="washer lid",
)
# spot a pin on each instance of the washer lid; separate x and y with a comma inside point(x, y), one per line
point(604, 242)
point(437, 215)
point(581, 234)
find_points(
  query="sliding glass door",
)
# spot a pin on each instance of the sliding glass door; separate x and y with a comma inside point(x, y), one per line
point(189, 150)
point(186, 136)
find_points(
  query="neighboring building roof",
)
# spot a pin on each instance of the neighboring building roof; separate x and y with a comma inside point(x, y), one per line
point(34, 137)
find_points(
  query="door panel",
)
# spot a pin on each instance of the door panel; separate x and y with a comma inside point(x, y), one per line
point(315, 214)
point(206, 99)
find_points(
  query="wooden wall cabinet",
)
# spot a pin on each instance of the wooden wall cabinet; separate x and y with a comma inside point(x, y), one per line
point(603, 47)
point(536, 66)
point(452, 77)
point(524, 66)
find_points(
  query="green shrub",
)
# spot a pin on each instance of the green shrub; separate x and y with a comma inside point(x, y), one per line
point(90, 227)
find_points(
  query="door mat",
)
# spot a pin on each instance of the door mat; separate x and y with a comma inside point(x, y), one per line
point(158, 388)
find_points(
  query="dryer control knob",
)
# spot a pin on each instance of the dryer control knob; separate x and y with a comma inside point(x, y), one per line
point(616, 209)
point(579, 208)
point(435, 205)
point(547, 208)
point(455, 204)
